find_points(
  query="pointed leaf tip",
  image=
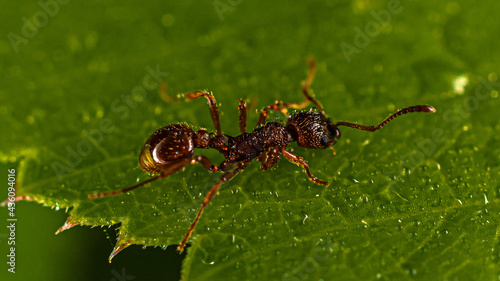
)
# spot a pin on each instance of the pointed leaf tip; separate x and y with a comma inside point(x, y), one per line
point(67, 225)
point(118, 248)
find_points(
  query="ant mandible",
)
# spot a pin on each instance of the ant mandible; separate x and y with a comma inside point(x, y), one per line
point(171, 148)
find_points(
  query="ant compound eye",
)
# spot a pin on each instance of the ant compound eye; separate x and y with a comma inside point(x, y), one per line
point(325, 141)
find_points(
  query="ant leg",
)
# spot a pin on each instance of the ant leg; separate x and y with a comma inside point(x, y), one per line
point(205, 162)
point(242, 116)
point(307, 83)
point(120, 191)
point(280, 106)
point(297, 160)
point(170, 170)
point(162, 90)
point(269, 158)
point(214, 110)
point(210, 195)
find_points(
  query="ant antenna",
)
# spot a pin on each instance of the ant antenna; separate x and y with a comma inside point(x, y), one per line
point(120, 191)
point(415, 108)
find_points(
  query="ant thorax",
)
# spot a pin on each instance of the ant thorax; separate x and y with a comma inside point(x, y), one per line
point(246, 147)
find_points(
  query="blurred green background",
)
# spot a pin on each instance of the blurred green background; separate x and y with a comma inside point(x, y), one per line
point(236, 49)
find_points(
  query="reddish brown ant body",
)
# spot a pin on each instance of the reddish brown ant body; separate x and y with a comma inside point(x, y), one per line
point(171, 148)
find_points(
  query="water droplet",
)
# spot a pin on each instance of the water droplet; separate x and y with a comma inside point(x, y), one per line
point(208, 262)
point(485, 199)
point(459, 84)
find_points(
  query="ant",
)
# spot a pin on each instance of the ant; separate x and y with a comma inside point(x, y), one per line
point(171, 148)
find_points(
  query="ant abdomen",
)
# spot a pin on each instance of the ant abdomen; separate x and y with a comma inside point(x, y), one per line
point(166, 145)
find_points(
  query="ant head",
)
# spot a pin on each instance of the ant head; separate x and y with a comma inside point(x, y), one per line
point(312, 129)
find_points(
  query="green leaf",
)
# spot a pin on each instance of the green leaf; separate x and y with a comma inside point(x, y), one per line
point(418, 199)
